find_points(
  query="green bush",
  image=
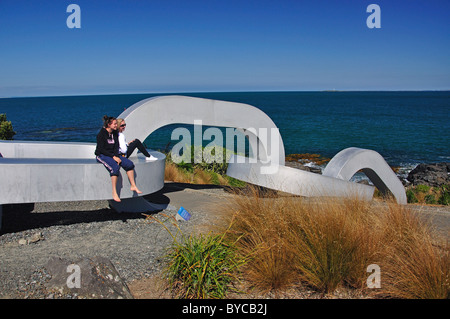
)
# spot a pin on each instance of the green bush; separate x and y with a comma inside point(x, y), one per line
point(204, 158)
point(430, 199)
point(186, 166)
point(201, 266)
point(6, 129)
point(235, 182)
point(411, 196)
point(424, 194)
point(444, 198)
point(422, 188)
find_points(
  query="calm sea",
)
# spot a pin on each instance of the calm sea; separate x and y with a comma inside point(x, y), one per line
point(406, 128)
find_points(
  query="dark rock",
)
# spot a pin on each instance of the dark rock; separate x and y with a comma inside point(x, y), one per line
point(433, 175)
point(301, 166)
point(98, 278)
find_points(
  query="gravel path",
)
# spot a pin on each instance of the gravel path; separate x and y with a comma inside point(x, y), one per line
point(74, 230)
point(32, 234)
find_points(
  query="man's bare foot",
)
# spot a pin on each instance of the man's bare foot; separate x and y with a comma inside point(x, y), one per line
point(116, 198)
point(135, 189)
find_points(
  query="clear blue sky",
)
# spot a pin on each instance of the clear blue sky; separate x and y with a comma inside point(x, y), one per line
point(154, 46)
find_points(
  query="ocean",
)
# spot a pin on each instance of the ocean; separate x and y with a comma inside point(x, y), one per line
point(406, 128)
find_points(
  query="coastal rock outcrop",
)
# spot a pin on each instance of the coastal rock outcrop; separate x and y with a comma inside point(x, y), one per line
point(433, 175)
point(311, 167)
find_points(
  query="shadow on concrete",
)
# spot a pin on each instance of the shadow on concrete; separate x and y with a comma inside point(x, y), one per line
point(22, 217)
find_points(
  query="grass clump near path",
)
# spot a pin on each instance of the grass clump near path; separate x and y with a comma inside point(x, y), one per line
point(200, 266)
point(328, 244)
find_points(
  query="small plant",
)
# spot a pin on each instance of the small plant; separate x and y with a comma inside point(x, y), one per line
point(444, 198)
point(202, 266)
point(430, 199)
point(186, 166)
point(422, 188)
point(411, 196)
point(6, 129)
point(205, 171)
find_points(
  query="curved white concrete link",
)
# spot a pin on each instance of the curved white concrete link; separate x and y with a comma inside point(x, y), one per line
point(347, 162)
point(298, 182)
point(55, 171)
point(148, 115)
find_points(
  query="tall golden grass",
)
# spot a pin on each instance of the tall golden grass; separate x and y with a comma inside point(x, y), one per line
point(329, 243)
point(416, 264)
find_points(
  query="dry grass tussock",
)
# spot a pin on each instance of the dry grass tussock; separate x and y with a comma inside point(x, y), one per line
point(328, 244)
point(197, 176)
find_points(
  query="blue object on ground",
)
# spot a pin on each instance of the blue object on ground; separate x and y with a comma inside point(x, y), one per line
point(184, 213)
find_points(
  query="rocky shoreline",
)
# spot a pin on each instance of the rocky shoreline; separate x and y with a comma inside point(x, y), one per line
point(434, 175)
point(429, 174)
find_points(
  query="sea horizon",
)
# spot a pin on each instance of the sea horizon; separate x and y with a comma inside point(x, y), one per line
point(224, 91)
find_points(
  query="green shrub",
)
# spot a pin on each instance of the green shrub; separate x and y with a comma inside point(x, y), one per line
point(233, 182)
point(411, 196)
point(204, 159)
point(186, 166)
point(424, 194)
point(6, 129)
point(422, 188)
point(444, 198)
point(430, 199)
point(201, 266)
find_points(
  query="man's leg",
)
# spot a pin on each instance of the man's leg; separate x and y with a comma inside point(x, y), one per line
point(137, 144)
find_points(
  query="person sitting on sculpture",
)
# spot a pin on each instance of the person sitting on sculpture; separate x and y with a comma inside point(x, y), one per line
point(126, 149)
point(107, 153)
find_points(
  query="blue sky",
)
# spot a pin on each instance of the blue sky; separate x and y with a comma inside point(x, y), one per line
point(157, 46)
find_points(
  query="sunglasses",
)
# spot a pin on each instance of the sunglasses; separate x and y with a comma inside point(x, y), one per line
point(123, 125)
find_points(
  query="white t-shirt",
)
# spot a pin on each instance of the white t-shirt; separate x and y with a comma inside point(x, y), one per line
point(123, 147)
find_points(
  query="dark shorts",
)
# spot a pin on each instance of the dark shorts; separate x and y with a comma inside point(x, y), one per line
point(112, 166)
